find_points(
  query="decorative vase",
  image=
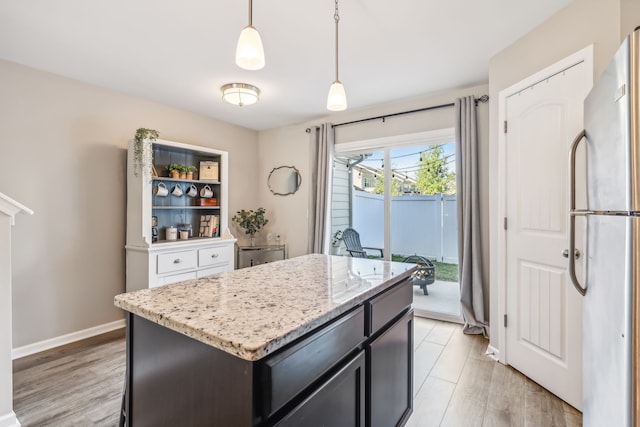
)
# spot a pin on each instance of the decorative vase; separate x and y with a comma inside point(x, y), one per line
point(189, 175)
point(183, 175)
point(175, 174)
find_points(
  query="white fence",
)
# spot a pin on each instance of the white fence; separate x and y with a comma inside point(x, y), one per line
point(423, 225)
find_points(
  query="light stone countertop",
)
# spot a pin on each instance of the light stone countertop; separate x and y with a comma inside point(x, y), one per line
point(254, 311)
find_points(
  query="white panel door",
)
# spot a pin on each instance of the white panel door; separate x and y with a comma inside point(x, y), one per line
point(544, 313)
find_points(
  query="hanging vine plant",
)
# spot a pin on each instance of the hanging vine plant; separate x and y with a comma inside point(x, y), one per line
point(142, 150)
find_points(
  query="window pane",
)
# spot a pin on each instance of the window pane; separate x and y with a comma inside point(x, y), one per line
point(357, 199)
point(424, 220)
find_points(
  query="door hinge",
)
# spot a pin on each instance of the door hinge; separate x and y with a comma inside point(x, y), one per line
point(505, 320)
point(505, 126)
point(505, 222)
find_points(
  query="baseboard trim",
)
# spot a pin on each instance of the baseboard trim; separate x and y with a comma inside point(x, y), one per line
point(493, 353)
point(37, 347)
point(9, 420)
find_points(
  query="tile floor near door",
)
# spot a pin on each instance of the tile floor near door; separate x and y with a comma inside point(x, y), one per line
point(455, 384)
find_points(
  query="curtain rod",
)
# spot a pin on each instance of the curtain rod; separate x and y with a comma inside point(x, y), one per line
point(483, 98)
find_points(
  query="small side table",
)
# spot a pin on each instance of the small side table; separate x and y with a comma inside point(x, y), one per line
point(248, 256)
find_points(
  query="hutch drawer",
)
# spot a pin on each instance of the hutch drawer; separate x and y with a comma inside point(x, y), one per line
point(216, 256)
point(176, 261)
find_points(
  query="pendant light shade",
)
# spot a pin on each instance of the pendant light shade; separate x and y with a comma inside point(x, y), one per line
point(240, 94)
point(249, 52)
point(337, 99)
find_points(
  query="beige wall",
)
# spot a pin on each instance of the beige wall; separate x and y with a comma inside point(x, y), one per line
point(629, 17)
point(290, 146)
point(286, 146)
point(63, 146)
point(582, 23)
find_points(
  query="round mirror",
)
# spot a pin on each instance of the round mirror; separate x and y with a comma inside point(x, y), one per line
point(284, 180)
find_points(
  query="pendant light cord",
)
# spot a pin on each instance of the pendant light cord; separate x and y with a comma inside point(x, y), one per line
point(336, 17)
point(251, 13)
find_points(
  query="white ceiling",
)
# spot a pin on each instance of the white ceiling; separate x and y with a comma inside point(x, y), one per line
point(180, 52)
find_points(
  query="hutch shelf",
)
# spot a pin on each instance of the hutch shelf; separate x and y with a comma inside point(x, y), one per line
point(157, 252)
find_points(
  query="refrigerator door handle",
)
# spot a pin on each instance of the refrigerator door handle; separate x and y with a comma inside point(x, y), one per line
point(576, 253)
point(573, 213)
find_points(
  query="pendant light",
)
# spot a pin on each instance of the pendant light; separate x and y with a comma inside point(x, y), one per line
point(249, 52)
point(337, 99)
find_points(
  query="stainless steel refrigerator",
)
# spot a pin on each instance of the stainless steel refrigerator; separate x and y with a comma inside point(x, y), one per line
point(611, 288)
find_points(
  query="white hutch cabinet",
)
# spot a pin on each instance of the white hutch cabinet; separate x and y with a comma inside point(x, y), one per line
point(153, 257)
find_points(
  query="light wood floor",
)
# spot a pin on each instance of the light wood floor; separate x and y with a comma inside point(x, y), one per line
point(76, 385)
point(454, 385)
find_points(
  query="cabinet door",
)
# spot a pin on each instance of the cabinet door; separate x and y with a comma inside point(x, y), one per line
point(338, 402)
point(391, 382)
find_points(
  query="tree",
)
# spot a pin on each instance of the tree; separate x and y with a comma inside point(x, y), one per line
point(396, 187)
point(433, 176)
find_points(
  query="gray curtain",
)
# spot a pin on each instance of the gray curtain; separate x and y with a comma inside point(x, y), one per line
point(469, 238)
point(321, 154)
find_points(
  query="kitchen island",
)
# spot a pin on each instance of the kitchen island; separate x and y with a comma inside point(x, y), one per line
point(313, 340)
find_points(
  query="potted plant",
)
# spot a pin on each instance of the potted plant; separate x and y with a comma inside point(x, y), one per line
point(143, 150)
point(190, 170)
point(252, 221)
point(174, 170)
point(183, 171)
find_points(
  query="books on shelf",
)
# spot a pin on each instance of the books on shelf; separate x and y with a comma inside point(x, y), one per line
point(209, 226)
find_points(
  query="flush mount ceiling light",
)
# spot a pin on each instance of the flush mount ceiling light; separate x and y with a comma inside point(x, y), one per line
point(240, 94)
point(337, 99)
point(249, 52)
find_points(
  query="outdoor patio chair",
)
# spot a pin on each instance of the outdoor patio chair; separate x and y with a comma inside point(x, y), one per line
point(351, 240)
point(425, 274)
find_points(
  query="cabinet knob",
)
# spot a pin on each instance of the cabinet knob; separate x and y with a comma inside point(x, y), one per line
point(214, 256)
point(177, 261)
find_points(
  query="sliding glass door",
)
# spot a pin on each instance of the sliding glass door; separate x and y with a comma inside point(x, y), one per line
point(402, 200)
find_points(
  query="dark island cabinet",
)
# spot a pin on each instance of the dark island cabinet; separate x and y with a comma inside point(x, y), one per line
point(338, 402)
point(355, 370)
point(391, 364)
